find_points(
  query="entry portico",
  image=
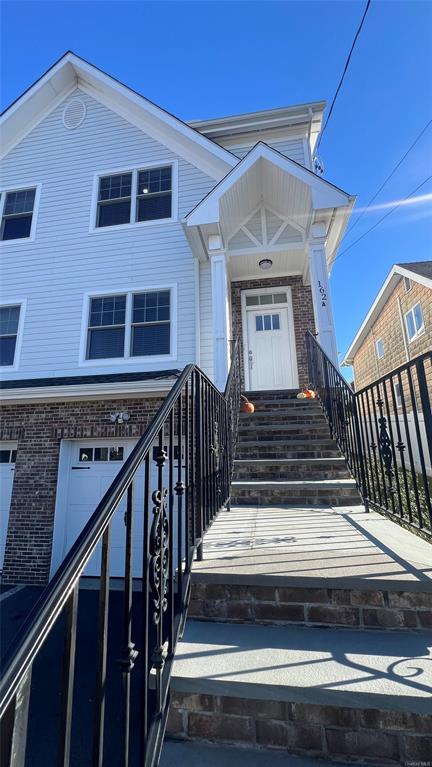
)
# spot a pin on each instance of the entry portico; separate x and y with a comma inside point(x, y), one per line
point(270, 224)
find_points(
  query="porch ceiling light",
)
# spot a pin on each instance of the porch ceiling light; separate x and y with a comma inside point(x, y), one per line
point(265, 263)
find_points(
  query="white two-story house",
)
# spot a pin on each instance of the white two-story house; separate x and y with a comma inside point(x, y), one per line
point(133, 243)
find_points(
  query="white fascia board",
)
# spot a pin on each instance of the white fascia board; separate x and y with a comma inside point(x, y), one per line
point(266, 118)
point(324, 194)
point(86, 391)
point(404, 271)
point(373, 313)
point(169, 130)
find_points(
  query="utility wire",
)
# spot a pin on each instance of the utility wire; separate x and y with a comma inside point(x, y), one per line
point(387, 179)
point(343, 74)
point(389, 212)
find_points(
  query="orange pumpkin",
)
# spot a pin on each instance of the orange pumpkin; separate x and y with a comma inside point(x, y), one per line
point(248, 407)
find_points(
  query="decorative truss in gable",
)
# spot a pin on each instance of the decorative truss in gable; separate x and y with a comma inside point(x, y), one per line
point(266, 229)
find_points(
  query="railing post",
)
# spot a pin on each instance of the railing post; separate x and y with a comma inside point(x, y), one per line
point(361, 459)
point(425, 403)
point(199, 523)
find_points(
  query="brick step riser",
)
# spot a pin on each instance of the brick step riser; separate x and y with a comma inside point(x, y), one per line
point(300, 497)
point(280, 432)
point(305, 472)
point(288, 407)
point(283, 451)
point(282, 605)
point(330, 732)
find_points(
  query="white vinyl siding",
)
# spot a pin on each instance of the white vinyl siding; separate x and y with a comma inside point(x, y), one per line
point(206, 323)
point(66, 261)
point(293, 148)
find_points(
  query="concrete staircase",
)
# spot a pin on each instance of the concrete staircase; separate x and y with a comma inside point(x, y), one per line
point(285, 455)
point(306, 632)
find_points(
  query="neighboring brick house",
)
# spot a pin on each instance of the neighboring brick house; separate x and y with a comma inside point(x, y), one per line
point(397, 328)
point(132, 244)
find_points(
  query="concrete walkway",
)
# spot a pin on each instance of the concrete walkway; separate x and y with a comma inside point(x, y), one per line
point(314, 543)
point(183, 754)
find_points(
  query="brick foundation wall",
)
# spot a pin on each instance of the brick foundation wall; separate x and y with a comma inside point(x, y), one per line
point(388, 327)
point(302, 311)
point(39, 429)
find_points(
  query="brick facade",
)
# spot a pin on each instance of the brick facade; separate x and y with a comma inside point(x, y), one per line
point(302, 311)
point(39, 429)
point(390, 328)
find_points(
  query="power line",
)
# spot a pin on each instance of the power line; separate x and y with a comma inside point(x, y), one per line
point(343, 74)
point(387, 179)
point(389, 212)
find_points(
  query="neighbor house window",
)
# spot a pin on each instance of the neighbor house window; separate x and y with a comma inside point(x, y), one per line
point(9, 321)
point(398, 393)
point(414, 322)
point(408, 284)
point(17, 214)
point(129, 325)
point(380, 348)
point(134, 197)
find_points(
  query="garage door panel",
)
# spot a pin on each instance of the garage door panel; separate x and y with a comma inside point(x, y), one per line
point(88, 481)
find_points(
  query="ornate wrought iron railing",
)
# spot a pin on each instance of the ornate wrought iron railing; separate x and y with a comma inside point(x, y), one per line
point(385, 433)
point(184, 463)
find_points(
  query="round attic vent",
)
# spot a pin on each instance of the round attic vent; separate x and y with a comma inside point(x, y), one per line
point(74, 113)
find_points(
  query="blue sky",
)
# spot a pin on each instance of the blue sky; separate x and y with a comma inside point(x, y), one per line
point(207, 59)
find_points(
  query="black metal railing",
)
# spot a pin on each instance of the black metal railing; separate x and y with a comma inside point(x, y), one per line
point(384, 430)
point(181, 468)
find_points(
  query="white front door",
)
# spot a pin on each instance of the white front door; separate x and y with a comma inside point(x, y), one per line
point(270, 355)
point(7, 469)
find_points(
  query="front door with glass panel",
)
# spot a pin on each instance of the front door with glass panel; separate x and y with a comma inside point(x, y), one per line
point(271, 357)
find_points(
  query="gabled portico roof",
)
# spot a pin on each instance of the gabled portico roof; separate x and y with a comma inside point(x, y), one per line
point(72, 72)
point(266, 175)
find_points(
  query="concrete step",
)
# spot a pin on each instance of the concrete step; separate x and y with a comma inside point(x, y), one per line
point(279, 395)
point(289, 414)
point(183, 753)
point(293, 447)
point(290, 468)
point(336, 694)
point(329, 492)
point(311, 602)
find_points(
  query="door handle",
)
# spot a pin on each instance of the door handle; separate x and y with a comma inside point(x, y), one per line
point(250, 355)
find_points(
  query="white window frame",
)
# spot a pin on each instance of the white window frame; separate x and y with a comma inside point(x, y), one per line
point(407, 284)
point(22, 303)
point(418, 332)
point(21, 188)
point(134, 169)
point(128, 359)
point(379, 356)
point(397, 387)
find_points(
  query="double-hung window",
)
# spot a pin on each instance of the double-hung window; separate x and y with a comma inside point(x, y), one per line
point(9, 323)
point(414, 322)
point(17, 214)
point(380, 348)
point(136, 196)
point(129, 325)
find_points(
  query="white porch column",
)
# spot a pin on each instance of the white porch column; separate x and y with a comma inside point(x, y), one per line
point(322, 304)
point(220, 314)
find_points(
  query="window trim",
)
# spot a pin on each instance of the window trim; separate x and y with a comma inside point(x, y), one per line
point(22, 303)
point(379, 356)
point(421, 330)
point(21, 188)
point(134, 169)
point(129, 291)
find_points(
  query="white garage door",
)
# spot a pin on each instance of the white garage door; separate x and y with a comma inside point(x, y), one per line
point(7, 468)
point(93, 466)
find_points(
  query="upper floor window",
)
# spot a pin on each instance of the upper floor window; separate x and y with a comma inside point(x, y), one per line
point(129, 325)
point(134, 197)
point(380, 348)
point(414, 322)
point(17, 214)
point(9, 323)
point(408, 284)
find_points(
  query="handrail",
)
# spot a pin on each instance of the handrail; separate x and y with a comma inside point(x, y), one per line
point(193, 403)
point(384, 431)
